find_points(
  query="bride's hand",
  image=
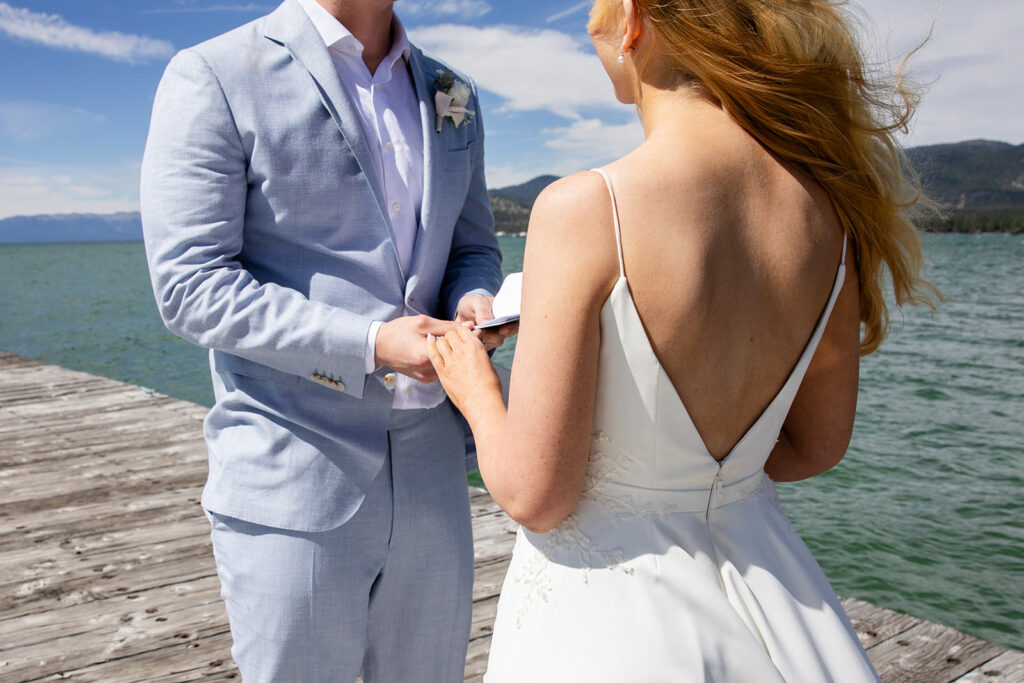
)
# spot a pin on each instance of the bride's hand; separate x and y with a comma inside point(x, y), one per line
point(463, 366)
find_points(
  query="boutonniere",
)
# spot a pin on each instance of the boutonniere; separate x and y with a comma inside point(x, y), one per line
point(451, 99)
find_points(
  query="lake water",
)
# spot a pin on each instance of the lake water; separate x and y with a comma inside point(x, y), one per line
point(925, 514)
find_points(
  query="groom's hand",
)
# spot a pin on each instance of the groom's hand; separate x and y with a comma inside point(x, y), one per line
point(401, 345)
point(476, 309)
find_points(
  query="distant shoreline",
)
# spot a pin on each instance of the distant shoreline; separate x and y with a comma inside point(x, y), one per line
point(977, 184)
point(137, 240)
point(499, 233)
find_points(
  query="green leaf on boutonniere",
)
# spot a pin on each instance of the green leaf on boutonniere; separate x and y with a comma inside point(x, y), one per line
point(444, 79)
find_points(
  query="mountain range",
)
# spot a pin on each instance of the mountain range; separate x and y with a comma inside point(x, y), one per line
point(72, 227)
point(972, 174)
point(979, 183)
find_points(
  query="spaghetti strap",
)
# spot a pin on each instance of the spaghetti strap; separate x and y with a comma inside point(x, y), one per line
point(615, 218)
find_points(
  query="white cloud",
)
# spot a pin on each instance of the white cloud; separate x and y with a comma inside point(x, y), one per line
point(583, 144)
point(569, 11)
point(190, 9)
point(540, 70)
point(503, 175)
point(972, 64)
point(30, 189)
point(591, 142)
point(530, 69)
point(34, 121)
point(53, 31)
point(463, 9)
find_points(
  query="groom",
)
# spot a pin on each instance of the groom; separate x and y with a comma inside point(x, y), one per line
point(309, 221)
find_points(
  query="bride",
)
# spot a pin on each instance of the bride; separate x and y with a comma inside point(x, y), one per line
point(693, 315)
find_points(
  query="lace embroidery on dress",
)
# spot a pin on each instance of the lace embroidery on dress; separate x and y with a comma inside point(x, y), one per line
point(600, 477)
point(567, 543)
point(567, 540)
point(767, 489)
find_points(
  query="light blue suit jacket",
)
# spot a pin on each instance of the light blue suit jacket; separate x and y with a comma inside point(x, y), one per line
point(269, 243)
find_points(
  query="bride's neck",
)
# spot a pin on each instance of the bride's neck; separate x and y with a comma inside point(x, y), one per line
point(664, 112)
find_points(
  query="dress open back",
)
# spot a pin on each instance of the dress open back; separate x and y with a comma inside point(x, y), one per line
point(674, 566)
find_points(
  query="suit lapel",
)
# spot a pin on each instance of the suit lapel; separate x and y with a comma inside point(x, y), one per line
point(433, 183)
point(290, 26)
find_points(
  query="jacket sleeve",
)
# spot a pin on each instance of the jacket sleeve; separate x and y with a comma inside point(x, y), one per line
point(474, 262)
point(193, 195)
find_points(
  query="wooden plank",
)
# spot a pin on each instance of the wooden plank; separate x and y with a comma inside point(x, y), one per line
point(162, 604)
point(480, 636)
point(163, 506)
point(875, 624)
point(117, 492)
point(930, 653)
point(476, 661)
point(82, 635)
point(106, 570)
point(484, 610)
point(1006, 668)
point(201, 659)
point(131, 544)
point(106, 581)
point(488, 578)
point(137, 436)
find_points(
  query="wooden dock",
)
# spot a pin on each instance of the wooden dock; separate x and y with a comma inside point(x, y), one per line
point(106, 571)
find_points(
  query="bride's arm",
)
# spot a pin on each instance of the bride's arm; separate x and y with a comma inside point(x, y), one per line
point(533, 457)
point(817, 430)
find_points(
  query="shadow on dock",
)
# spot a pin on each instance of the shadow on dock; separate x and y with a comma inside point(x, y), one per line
point(108, 576)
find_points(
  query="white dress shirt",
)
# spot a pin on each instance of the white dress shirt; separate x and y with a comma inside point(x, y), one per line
point(389, 112)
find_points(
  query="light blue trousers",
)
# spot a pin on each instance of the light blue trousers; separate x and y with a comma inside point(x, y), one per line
point(387, 595)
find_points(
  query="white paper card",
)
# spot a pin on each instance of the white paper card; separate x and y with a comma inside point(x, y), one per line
point(507, 302)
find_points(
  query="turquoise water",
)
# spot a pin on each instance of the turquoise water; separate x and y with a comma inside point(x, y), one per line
point(924, 515)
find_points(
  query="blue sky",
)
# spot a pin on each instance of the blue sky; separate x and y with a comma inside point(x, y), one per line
point(78, 80)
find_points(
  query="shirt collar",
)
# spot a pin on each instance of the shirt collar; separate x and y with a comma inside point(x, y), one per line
point(338, 38)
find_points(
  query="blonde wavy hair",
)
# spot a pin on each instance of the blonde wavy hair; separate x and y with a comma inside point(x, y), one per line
point(791, 73)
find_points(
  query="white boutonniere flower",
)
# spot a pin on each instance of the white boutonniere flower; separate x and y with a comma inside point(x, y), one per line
point(451, 99)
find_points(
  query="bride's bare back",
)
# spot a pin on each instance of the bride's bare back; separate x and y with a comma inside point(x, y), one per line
point(730, 258)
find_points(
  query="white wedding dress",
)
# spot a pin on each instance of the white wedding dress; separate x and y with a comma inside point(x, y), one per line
point(674, 566)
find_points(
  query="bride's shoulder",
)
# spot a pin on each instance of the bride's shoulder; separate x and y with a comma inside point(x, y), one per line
point(582, 191)
point(577, 204)
point(576, 207)
point(572, 221)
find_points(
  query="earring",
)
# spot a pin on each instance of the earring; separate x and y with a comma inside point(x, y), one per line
point(622, 58)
